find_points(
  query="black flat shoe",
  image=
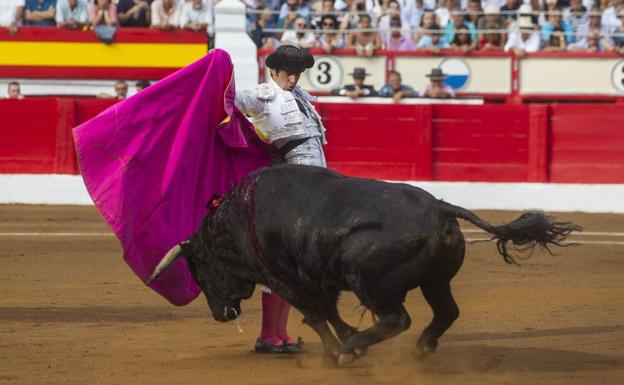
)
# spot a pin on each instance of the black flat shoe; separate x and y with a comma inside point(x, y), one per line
point(264, 347)
point(296, 347)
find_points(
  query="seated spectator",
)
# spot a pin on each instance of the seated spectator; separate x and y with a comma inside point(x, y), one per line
point(327, 8)
point(436, 87)
point(524, 37)
point(103, 12)
point(415, 16)
point(427, 21)
point(14, 91)
point(618, 40)
point(395, 89)
point(142, 84)
point(594, 21)
point(463, 40)
point(575, 14)
point(433, 41)
point(166, 14)
point(394, 11)
point(510, 9)
point(556, 22)
point(11, 14)
point(289, 11)
point(593, 42)
point(195, 15)
point(264, 20)
point(556, 42)
point(364, 41)
point(329, 39)
point(442, 13)
point(351, 19)
point(492, 39)
point(609, 14)
point(550, 6)
point(40, 13)
point(72, 14)
point(133, 13)
point(491, 20)
point(121, 91)
point(458, 21)
point(475, 13)
point(397, 41)
point(358, 89)
point(298, 36)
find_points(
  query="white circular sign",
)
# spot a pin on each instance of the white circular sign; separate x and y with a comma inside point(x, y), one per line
point(617, 76)
point(326, 74)
point(457, 71)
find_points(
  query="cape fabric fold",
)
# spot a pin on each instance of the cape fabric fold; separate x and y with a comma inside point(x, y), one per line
point(152, 162)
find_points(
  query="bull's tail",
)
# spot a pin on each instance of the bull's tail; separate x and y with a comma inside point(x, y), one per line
point(530, 229)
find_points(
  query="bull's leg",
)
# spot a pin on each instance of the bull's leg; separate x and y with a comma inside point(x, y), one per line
point(390, 324)
point(445, 312)
point(343, 329)
point(315, 316)
point(331, 346)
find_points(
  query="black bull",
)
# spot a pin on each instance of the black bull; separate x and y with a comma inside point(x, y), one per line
point(308, 233)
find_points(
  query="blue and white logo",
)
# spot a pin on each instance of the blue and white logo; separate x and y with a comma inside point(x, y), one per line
point(457, 71)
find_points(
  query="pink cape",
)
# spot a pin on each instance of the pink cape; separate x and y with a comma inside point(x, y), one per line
point(152, 162)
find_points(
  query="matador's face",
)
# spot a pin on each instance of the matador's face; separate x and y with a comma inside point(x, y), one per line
point(284, 79)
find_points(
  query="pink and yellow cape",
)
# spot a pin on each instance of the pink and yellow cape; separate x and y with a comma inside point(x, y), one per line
point(152, 162)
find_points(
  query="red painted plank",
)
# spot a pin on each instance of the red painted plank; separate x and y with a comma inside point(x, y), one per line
point(480, 172)
point(44, 72)
point(460, 155)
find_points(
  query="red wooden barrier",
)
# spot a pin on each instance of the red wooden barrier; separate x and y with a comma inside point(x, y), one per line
point(587, 144)
point(378, 142)
point(496, 143)
point(35, 134)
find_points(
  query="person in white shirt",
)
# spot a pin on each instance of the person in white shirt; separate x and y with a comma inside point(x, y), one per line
point(166, 14)
point(196, 15)
point(11, 14)
point(297, 36)
point(523, 37)
point(72, 13)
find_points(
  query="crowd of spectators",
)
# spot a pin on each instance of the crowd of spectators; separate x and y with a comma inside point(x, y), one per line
point(465, 25)
point(195, 15)
point(363, 25)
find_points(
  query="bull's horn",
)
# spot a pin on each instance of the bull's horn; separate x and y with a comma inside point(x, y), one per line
point(167, 260)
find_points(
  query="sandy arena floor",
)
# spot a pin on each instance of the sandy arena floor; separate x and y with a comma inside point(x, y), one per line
point(71, 312)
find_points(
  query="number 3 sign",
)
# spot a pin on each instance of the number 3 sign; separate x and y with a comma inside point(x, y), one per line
point(326, 74)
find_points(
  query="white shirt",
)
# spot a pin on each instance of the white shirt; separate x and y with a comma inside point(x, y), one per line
point(190, 15)
point(159, 14)
point(7, 11)
point(307, 41)
point(532, 44)
point(64, 12)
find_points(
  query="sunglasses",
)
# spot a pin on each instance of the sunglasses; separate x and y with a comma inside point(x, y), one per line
point(328, 24)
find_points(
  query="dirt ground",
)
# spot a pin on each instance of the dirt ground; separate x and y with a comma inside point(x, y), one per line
point(72, 312)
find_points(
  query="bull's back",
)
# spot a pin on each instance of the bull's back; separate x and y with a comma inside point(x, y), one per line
point(308, 199)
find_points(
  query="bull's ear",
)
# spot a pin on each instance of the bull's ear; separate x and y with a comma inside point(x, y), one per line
point(171, 256)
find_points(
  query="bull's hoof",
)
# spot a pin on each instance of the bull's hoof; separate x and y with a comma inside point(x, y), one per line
point(345, 359)
point(425, 351)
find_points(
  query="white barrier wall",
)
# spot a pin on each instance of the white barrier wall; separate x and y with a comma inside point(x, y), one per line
point(331, 71)
point(69, 189)
point(538, 74)
point(554, 75)
point(230, 35)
